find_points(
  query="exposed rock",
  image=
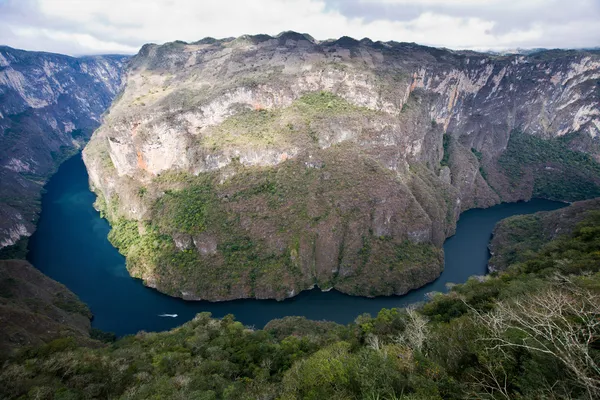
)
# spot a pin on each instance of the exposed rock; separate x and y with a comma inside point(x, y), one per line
point(206, 244)
point(340, 163)
point(49, 106)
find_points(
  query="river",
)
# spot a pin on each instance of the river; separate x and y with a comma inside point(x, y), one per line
point(71, 246)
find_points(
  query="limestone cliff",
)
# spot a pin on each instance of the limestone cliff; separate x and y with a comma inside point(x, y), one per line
point(49, 106)
point(261, 166)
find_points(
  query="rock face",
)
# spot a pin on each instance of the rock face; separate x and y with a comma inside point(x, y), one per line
point(34, 309)
point(261, 166)
point(49, 106)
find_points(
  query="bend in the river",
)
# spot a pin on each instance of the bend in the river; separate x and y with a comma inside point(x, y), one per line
point(71, 246)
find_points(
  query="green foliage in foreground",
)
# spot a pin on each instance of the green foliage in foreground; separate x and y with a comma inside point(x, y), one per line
point(531, 332)
point(558, 172)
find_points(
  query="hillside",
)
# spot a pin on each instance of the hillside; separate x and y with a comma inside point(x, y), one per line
point(35, 310)
point(517, 238)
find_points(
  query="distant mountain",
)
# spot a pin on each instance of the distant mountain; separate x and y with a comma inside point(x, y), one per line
point(49, 106)
point(529, 52)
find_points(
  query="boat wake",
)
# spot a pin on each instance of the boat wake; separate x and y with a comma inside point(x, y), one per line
point(168, 315)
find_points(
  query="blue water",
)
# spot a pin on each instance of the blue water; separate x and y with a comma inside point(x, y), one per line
point(70, 246)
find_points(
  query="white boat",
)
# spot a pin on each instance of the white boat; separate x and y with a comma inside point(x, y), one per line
point(168, 315)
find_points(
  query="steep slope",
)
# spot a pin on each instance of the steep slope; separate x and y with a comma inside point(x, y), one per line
point(49, 106)
point(515, 239)
point(261, 166)
point(35, 310)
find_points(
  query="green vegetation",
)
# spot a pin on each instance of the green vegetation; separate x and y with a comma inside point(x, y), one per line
point(185, 210)
point(255, 233)
point(446, 147)
point(35, 309)
point(414, 253)
point(71, 304)
point(7, 287)
point(477, 154)
point(248, 126)
point(517, 238)
point(558, 172)
point(482, 340)
point(187, 213)
point(106, 337)
point(262, 128)
point(60, 156)
point(124, 234)
point(384, 265)
point(524, 235)
point(324, 103)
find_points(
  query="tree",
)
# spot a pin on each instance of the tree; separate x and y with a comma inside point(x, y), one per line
point(416, 331)
point(561, 322)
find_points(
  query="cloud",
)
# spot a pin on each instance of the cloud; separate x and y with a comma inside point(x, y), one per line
point(123, 26)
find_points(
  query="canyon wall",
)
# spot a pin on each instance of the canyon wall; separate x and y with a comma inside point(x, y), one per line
point(261, 166)
point(49, 106)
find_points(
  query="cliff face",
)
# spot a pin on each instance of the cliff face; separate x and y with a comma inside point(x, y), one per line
point(49, 106)
point(260, 166)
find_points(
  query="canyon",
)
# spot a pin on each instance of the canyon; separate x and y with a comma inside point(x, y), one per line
point(49, 106)
point(259, 166)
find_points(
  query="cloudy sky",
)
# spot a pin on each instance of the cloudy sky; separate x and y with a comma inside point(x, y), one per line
point(123, 26)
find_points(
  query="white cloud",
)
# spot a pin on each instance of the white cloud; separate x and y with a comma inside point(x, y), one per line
point(469, 3)
point(83, 40)
point(121, 26)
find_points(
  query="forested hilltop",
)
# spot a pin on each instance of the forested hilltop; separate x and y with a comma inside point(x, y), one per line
point(529, 332)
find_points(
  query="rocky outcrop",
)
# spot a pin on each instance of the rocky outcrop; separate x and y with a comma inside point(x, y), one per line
point(49, 106)
point(260, 166)
point(35, 310)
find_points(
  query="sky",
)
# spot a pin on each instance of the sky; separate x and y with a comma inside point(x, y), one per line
point(79, 27)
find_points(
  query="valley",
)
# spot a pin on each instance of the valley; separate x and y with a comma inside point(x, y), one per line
point(283, 218)
point(443, 349)
point(259, 167)
point(49, 106)
point(71, 246)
